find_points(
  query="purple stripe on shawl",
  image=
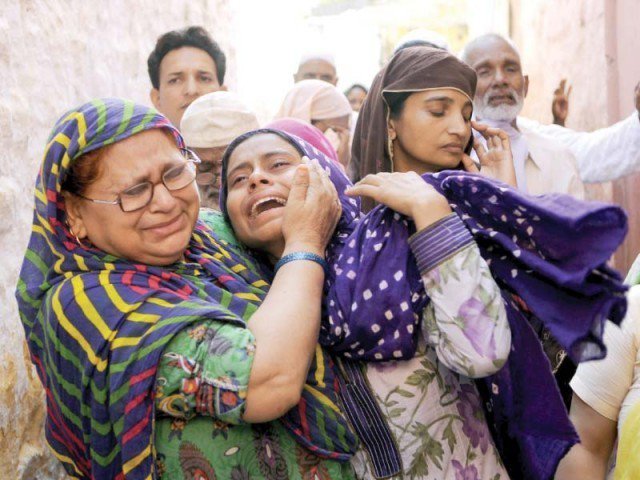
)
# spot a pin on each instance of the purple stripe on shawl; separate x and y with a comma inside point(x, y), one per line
point(449, 235)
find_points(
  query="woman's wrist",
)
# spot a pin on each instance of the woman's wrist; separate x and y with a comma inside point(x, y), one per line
point(303, 246)
point(301, 256)
point(426, 214)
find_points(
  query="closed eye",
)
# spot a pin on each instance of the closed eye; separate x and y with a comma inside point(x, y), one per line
point(280, 163)
point(136, 190)
point(237, 179)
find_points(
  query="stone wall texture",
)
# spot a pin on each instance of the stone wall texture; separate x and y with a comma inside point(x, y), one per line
point(55, 55)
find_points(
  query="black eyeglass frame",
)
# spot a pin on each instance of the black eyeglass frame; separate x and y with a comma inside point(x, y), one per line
point(190, 157)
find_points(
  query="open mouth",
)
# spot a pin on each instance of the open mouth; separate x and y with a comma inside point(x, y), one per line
point(508, 98)
point(266, 204)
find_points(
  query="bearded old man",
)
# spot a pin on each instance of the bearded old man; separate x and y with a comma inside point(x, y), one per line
point(541, 164)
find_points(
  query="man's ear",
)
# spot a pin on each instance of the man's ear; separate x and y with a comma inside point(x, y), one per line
point(335, 82)
point(224, 88)
point(526, 85)
point(154, 95)
point(74, 215)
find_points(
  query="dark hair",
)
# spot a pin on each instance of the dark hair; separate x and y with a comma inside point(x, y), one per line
point(84, 170)
point(189, 37)
point(395, 101)
point(354, 86)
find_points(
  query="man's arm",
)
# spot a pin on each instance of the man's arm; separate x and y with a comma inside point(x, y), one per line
point(602, 155)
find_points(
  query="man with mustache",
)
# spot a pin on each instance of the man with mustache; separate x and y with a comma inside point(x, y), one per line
point(541, 164)
point(184, 65)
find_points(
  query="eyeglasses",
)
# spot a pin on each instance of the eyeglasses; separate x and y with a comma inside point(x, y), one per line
point(208, 173)
point(140, 195)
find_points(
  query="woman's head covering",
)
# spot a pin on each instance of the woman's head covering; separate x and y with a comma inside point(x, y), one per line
point(306, 132)
point(214, 119)
point(413, 69)
point(96, 325)
point(314, 100)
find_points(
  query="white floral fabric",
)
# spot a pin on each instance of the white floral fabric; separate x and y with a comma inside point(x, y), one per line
point(430, 402)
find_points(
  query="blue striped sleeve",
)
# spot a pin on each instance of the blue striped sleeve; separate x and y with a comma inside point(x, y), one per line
point(439, 241)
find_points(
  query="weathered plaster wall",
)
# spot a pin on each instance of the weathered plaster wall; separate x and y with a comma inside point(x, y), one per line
point(564, 39)
point(55, 55)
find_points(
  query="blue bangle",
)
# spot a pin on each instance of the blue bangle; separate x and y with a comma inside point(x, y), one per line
point(290, 257)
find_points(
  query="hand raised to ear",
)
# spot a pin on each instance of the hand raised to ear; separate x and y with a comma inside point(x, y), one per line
point(496, 159)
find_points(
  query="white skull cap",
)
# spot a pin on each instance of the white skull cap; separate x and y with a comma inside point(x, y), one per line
point(215, 119)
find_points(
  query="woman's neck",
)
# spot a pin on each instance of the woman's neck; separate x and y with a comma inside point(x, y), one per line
point(274, 251)
point(404, 163)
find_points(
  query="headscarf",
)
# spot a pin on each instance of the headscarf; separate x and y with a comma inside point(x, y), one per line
point(96, 325)
point(306, 132)
point(314, 100)
point(548, 255)
point(214, 119)
point(412, 69)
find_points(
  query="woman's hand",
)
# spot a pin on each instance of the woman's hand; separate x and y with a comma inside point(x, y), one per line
point(312, 211)
point(496, 160)
point(406, 193)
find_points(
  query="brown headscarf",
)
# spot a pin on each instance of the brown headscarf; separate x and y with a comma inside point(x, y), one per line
point(412, 69)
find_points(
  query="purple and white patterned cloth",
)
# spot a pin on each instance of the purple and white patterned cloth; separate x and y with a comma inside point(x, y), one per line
point(550, 251)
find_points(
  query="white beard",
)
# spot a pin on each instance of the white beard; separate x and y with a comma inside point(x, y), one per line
point(500, 113)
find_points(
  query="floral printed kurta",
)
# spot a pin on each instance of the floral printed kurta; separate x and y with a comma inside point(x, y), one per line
point(199, 429)
point(430, 402)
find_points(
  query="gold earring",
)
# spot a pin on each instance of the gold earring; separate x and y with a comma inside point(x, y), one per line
point(76, 237)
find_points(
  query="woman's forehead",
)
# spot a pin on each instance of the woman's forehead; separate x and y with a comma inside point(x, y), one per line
point(444, 92)
point(138, 155)
point(259, 145)
point(143, 144)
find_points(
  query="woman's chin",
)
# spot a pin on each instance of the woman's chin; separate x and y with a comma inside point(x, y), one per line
point(168, 251)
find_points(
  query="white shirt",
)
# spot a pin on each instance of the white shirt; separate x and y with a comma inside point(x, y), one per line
point(602, 155)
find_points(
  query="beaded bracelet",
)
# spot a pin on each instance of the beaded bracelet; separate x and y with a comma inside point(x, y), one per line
point(290, 257)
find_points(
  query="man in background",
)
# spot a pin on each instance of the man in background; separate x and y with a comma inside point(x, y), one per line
point(319, 66)
point(541, 164)
point(210, 124)
point(184, 65)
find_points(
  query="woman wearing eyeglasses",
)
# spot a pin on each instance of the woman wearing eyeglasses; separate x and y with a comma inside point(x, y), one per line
point(148, 332)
